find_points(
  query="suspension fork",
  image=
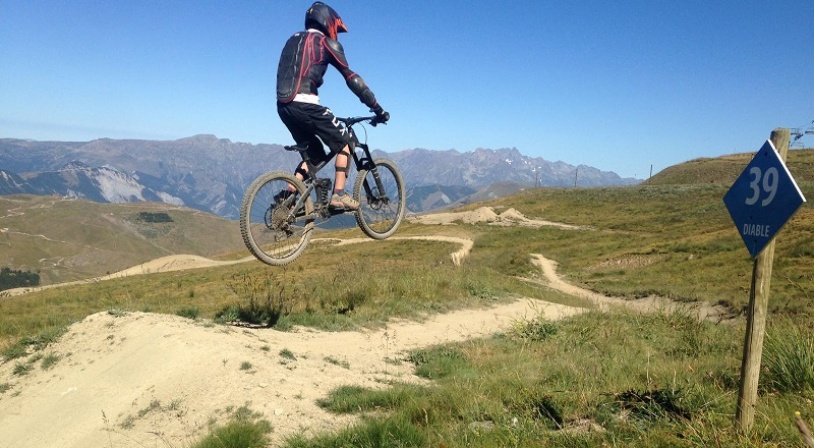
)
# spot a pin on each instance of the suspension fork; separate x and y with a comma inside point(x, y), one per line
point(365, 161)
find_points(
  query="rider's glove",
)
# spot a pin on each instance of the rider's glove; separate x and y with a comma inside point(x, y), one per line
point(381, 115)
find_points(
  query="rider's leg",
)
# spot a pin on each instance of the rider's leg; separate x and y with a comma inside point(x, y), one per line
point(341, 163)
point(340, 198)
point(315, 153)
point(298, 118)
point(301, 171)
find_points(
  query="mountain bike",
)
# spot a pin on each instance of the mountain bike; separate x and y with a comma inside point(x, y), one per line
point(279, 211)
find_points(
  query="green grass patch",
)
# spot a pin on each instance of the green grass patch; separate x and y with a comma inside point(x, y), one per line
point(375, 433)
point(287, 355)
point(354, 399)
point(23, 346)
point(336, 362)
point(245, 429)
point(618, 379)
point(189, 312)
point(49, 361)
point(788, 359)
point(22, 368)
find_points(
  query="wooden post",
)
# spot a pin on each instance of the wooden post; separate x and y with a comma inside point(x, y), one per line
point(756, 315)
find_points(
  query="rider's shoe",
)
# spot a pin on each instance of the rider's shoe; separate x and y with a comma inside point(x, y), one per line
point(344, 201)
point(284, 194)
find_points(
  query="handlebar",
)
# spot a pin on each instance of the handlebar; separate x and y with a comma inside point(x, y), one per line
point(374, 120)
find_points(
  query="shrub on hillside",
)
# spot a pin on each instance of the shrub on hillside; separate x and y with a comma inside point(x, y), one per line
point(154, 217)
point(17, 279)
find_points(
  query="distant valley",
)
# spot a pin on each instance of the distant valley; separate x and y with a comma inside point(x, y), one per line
point(74, 239)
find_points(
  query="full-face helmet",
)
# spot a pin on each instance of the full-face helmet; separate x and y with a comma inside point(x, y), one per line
point(325, 19)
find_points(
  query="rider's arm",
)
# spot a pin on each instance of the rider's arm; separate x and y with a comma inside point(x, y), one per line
point(355, 82)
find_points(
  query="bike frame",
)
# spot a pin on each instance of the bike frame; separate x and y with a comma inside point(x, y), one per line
point(278, 214)
point(363, 161)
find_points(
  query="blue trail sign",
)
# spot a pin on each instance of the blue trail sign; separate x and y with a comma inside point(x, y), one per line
point(763, 198)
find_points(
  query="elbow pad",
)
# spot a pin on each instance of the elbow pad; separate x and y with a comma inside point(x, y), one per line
point(357, 86)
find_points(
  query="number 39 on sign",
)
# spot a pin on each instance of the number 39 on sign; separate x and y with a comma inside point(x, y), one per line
point(769, 184)
point(763, 198)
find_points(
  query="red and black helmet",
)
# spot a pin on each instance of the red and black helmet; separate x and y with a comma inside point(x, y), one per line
point(325, 19)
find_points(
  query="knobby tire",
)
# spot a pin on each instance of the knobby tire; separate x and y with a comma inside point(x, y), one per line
point(265, 220)
point(380, 212)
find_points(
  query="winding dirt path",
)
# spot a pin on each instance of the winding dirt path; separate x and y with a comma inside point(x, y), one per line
point(457, 256)
point(646, 305)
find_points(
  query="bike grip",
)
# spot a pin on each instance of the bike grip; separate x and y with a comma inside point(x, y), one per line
point(382, 118)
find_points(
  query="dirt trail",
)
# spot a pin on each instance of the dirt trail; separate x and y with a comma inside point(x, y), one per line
point(646, 305)
point(457, 256)
point(150, 380)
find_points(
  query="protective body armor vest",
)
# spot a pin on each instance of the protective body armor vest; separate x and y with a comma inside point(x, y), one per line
point(304, 61)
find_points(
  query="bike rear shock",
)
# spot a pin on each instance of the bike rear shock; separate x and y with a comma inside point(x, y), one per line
point(323, 190)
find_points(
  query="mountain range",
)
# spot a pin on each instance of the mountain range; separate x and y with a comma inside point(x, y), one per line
point(210, 174)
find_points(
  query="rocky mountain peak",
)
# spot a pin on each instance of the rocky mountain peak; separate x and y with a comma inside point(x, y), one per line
point(211, 174)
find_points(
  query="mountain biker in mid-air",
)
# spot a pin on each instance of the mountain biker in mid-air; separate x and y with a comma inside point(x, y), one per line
point(303, 63)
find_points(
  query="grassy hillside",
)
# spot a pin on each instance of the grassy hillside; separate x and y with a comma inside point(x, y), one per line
point(724, 170)
point(65, 240)
point(674, 241)
point(672, 237)
point(594, 380)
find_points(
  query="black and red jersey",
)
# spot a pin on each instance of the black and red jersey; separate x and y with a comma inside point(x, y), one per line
point(303, 63)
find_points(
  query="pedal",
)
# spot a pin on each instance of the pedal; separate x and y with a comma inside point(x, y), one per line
point(333, 211)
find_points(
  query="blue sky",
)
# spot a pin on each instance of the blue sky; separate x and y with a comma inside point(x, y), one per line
point(618, 85)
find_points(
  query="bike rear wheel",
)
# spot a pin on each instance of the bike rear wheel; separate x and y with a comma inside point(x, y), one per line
point(268, 218)
point(382, 200)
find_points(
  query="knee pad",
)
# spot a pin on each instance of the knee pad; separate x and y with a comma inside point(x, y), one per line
point(344, 169)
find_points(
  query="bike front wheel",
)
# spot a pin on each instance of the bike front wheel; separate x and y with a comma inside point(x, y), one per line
point(273, 218)
point(382, 200)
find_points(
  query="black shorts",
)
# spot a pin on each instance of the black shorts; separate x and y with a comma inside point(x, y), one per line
point(313, 125)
